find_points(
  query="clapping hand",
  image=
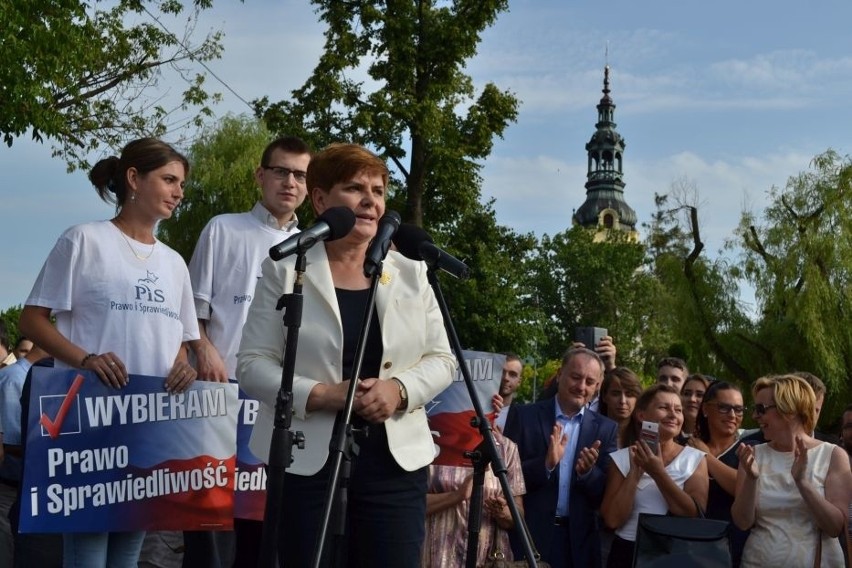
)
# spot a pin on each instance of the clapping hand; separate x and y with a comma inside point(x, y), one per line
point(587, 458)
point(556, 447)
point(465, 489)
point(745, 453)
point(800, 459)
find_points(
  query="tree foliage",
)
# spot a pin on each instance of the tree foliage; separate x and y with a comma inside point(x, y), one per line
point(223, 159)
point(79, 73)
point(415, 102)
point(493, 310)
point(534, 378)
point(698, 313)
point(798, 257)
point(582, 280)
point(391, 78)
point(10, 317)
point(795, 256)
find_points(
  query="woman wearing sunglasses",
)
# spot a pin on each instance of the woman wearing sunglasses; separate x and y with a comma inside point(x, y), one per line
point(717, 434)
point(802, 486)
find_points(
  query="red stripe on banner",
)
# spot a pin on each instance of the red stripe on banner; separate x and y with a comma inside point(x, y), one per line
point(211, 508)
point(456, 436)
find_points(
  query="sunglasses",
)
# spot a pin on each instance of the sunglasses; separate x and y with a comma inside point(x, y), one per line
point(723, 408)
point(760, 409)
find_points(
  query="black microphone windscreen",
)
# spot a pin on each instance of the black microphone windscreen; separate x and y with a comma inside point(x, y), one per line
point(408, 239)
point(340, 221)
point(378, 249)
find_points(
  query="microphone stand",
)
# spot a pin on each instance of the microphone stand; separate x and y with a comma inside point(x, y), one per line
point(484, 454)
point(281, 446)
point(343, 447)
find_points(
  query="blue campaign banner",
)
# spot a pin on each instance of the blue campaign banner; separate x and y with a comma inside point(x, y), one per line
point(250, 478)
point(99, 459)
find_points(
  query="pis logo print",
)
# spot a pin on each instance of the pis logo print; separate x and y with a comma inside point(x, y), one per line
point(145, 290)
point(60, 414)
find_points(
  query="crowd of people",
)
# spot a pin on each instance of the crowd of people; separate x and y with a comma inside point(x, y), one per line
point(580, 468)
point(784, 489)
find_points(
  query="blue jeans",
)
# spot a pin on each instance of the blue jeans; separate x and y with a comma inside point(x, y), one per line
point(102, 550)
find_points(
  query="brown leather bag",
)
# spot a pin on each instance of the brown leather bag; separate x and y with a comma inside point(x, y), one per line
point(497, 559)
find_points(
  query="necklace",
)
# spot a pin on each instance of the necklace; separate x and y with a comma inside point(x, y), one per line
point(132, 248)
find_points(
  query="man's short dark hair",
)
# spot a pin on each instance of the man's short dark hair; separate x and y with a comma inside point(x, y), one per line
point(813, 380)
point(675, 362)
point(512, 357)
point(289, 144)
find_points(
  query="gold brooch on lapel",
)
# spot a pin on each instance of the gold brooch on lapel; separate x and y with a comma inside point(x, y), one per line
point(385, 278)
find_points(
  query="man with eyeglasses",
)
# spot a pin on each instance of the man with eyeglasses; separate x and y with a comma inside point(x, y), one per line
point(224, 269)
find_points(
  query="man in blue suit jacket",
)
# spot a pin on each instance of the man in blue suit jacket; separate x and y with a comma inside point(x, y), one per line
point(564, 449)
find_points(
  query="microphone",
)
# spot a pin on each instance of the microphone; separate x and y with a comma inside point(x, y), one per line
point(334, 223)
point(416, 244)
point(378, 249)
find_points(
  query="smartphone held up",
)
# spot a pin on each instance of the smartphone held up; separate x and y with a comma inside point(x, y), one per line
point(589, 336)
point(650, 434)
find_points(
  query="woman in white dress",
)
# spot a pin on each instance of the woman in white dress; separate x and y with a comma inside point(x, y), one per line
point(792, 492)
point(673, 479)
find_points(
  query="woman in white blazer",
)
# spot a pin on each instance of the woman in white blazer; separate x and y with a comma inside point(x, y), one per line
point(407, 361)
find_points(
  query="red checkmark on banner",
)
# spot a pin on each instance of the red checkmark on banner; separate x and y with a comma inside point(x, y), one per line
point(54, 427)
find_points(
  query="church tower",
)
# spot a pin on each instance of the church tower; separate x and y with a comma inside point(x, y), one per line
point(605, 208)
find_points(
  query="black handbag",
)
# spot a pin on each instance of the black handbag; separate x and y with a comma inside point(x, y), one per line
point(676, 542)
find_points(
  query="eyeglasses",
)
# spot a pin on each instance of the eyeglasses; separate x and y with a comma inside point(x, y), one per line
point(723, 408)
point(284, 173)
point(760, 409)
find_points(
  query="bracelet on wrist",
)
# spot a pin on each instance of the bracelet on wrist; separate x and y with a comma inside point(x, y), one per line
point(86, 359)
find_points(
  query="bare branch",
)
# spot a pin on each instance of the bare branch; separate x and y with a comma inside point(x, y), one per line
point(704, 320)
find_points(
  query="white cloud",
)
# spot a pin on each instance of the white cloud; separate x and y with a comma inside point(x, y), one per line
point(698, 95)
point(539, 193)
point(793, 70)
point(534, 193)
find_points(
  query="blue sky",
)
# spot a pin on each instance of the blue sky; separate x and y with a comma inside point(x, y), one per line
point(734, 97)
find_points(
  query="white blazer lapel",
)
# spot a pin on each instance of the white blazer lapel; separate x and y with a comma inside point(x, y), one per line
point(318, 275)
